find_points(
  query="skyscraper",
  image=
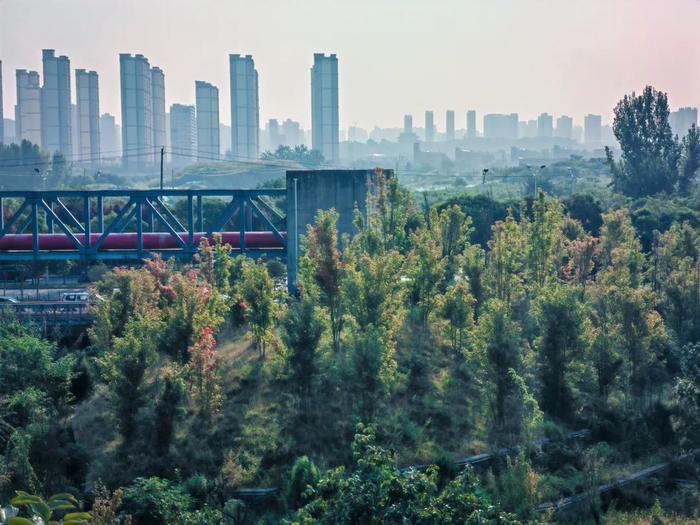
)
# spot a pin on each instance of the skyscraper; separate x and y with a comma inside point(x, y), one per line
point(158, 98)
point(429, 127)
point(137, 110)
point(56, 104)
point(545, 125)
point(207, 100)
point(498, 126)
point(450, 125)
point(325, 123)
point(682, 120)
point(592, 131)
point(28, 108)
point(408, 123)
point(88, 118)
point(293, 135)
point(471, 124)
point(245, 108)
point(565, 126)
point(183, 134)
point(110, 147)
point(2, 116)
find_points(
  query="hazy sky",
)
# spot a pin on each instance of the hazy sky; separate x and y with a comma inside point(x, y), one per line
point(395, 56)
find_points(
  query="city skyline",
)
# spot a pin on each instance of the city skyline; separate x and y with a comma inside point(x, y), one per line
point(578, 54)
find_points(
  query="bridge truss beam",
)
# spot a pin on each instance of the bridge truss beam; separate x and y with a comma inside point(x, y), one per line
point(131, 224)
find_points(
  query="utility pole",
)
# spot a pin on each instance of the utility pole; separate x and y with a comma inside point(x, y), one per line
point(162, 152)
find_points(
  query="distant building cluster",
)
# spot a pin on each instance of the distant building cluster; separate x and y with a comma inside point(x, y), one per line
point(47, 114)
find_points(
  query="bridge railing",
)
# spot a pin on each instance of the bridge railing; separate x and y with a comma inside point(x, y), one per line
point(129, 224)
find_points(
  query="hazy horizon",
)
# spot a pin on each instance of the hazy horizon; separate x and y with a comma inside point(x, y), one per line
point(395, 56)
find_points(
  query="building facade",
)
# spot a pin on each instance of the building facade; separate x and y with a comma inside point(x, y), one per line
point(497, 126)
point(245, 108)
point(545, 125)
point(137, 110)
point(87, 122)
point(682, 120)
point(450, 125)
point(593, 131)
point(429, 126)
point(183, 134)
point(565, 127)
point(471, 124)
point(158, 102)
point(110, 138)
point(325, 123)
point(207, 102)
point(28, 108)
point(293, 135)
point(56, 133)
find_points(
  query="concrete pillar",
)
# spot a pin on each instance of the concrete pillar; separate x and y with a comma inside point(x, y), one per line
point(309, 191)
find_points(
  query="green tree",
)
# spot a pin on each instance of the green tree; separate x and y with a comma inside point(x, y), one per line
point(168, 408)
point(562, 323)
point(124, 369)
point(257, 289)
point(502, 355)
point(544, 240)
point(302, 331)
point(677, 275)
point(690, 159)
point(505, 262)
point(650, 153)
point(375, 492)
point(425, 268)
point(457, 308)
point(323, 269)
point(373, 369)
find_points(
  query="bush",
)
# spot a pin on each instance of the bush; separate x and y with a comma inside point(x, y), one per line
point(155, 501)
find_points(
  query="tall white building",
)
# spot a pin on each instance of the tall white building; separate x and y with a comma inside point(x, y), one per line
point(110, 137)
point(183, 134)
point(682, 120)
point(545, 125)
point(158, 97)
point(565, 127)
point(325, 123)
point(593, 131)
point(56, 133)
point(207, 100)
point(137, 110)
point(245, 108)
point(429, 126)
point(497, 126)
point(88, 118)
point(28, 108)
point(450, 125)
point(471, 124)
point(293, 134)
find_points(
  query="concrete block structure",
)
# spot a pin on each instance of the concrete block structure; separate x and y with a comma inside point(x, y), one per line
point(309, 191)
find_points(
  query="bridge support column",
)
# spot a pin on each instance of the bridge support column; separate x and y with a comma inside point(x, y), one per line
point(309, 191)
